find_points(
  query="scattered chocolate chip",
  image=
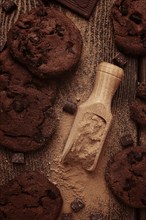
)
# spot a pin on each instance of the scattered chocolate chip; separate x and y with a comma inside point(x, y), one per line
point(51, 195)
point(126, 140)
point(18, 106)
point(124, 10)
point(136, 17)
point(77, 205)
point(67, 216)
point(18, 158)
point(70, 108)
point(2, 43)
point(120, 60)
point(97, 216)
point(9, 6)
point(129, 184)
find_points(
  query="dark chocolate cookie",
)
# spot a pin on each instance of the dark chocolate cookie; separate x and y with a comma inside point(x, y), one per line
point(138, 111)
point(46, 41)
point(129, 19)
point(27, 120)
point(126, 176)
point(30, 196)
point(13, 73)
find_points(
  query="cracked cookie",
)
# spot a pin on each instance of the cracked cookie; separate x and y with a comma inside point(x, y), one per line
point(129, 20)
point(30, 196)
point(27, 120)
point(126, 176)
point(46, 41)
point(13, 73)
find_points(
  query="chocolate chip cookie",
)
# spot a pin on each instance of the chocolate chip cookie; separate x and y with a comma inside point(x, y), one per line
point(27, 120)
point(30, 196)
point(13, 73)
point(126, 176)
point(45, 41)
point(129, 20)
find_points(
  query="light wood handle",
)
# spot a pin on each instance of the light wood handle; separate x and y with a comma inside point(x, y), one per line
point(108, 77)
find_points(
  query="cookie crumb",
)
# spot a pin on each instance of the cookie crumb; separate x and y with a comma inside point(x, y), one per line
point(70, 108)
point(120, 60)
point(9, 6)
point(18, 158)
point(77, 205)
point(126, 140)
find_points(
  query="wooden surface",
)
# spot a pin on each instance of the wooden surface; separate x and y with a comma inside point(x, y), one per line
point(98, 46)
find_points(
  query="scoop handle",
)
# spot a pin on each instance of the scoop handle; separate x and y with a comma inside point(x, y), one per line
point(108, 78)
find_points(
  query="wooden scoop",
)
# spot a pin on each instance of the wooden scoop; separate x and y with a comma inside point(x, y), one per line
point(93, 119)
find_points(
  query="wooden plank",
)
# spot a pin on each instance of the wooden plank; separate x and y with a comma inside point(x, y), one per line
point(142, 130)
point(91, 187)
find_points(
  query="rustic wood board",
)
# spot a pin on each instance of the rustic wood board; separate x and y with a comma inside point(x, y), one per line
point(98, 46)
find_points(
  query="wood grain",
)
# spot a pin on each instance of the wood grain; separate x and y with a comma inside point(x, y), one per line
point(98, 46)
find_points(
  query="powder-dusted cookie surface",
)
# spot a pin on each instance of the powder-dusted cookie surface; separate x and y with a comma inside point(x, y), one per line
point(30, 196)
point(13, 73)
point(126, 176)
point(46, 41)
point(129, 19)
point(27, 120)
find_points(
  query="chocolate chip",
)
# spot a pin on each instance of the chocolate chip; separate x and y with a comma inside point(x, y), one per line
point(138, 156)
point(126, 140)
point(97, 216)
point(9, 6)
point(67, 216)
point(77, 205)
point(51, 195)
point(124, 9)
point(39, 138)
point(120, 60)
point(136, 17)
point(42, 12)
point(18, 158)
point(18, 106)
point(129, 184)
point(70, 108)
point(2, 43)
point(131, 158)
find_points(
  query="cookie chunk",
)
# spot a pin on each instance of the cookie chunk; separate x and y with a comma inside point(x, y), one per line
point(46, 41)
point(30, 196)
point(13, 73)
point(138, 111)
point(27, 120)
point(126, 176)
point(129, 20)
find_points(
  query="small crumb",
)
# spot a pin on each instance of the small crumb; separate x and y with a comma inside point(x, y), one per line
point(2, 43)
point(70, 108)
point(67, 216)
point(126, 140)
point(120, 60)
point(77, 205)
point(18, 158)
point(97, 216)
point(9, 6)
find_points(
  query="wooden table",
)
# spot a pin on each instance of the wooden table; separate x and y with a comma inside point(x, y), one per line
point(98, 46)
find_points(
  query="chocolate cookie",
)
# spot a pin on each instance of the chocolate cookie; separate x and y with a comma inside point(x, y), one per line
point(126, 176)
point(138, 111)
point(46, 41)
point(13, 73)
point(27, 120)
point(129, 19)
point(30, 196)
